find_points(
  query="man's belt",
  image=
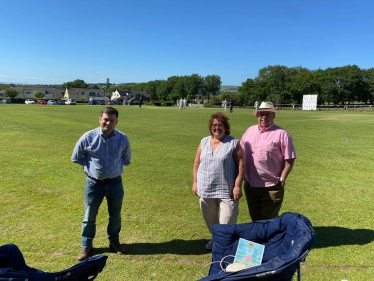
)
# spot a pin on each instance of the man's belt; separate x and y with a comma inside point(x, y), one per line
point(103, 180)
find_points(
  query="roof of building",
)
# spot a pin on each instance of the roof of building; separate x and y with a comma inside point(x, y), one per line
point(47, 90)
point(123, 93)
point(101, 91)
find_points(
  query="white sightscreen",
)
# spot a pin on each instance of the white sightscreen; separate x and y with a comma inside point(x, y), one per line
point(309, 102)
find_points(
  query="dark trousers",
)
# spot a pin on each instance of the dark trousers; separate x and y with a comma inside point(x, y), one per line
point(263, 202)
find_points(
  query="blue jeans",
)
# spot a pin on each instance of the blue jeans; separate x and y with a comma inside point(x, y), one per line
point(94, 193)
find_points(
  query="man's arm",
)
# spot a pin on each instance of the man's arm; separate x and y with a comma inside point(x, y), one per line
point(78, 152)
point(288, 164)
point(126, 154)
point(289, 155)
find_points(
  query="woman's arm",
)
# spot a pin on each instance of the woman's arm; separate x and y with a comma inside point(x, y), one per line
point(195, 168)
point(239, 160)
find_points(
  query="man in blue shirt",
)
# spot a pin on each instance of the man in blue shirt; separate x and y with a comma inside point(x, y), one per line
point(102, 152)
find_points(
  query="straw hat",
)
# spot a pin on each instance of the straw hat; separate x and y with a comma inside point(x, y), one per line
point(265, 106)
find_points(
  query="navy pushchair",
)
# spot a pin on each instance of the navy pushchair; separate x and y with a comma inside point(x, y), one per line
point(14, 268)
point(287, 240)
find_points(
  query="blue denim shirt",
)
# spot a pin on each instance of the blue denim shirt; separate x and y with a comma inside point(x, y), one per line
point(102, 157)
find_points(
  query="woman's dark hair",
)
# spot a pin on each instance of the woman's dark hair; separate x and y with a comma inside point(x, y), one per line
point(223, 119)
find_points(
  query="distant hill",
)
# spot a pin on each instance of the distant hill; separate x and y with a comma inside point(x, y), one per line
point(232, 89)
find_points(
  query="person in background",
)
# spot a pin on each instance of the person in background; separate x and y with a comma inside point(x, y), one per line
point(231, 106)
point(102, 152)
point(218, 174)
point(269, 155)
point(140, 102)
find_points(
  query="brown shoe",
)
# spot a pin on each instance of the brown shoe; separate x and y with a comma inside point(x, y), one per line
point(84, 253)
point(116, 246)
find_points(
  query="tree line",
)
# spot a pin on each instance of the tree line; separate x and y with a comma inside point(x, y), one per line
point(175, 87)
point(287, 85)
point(277, 83)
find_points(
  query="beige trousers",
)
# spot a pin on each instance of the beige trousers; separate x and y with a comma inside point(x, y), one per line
point(222, 211)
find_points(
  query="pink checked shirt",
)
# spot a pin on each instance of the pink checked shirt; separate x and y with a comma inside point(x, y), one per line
point(264, 153)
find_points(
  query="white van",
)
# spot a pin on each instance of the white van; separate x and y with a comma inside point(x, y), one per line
point(70, 101)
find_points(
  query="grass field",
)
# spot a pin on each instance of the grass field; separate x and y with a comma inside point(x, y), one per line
point(42, 191)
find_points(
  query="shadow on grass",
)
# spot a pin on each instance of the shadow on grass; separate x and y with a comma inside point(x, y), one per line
point(179, 247)
point(331, 236)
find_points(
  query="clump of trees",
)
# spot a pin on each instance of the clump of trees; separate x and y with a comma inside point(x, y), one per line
point(39, 95)
point(287, 85)
point(176, 87)
point(11, 92)
point(78, 83)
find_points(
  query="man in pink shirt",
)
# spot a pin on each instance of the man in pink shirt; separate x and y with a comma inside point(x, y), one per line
point(269, 157)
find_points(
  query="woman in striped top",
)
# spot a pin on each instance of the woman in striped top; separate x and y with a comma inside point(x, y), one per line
point(218, 174)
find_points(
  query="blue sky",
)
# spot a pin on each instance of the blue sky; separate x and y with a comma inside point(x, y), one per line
point(52, 42)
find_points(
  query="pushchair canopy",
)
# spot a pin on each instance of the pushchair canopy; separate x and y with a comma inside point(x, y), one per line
point(13, 267)
point(287, 240)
